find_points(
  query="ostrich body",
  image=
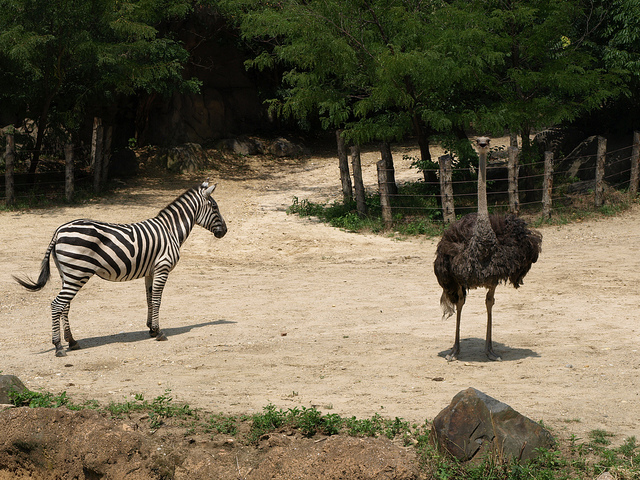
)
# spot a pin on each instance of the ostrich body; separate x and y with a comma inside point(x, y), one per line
point(482, 250)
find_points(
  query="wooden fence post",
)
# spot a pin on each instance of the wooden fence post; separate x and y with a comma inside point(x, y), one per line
point(383, 186)
point(343, 164)
point(635, 165)
point(96, 154)
point(68, 172)
point(547, 186)
point(446, 189)
point(387, 158)
point(600, 158)
point(358, 184)
point(514, 201)
point(9, 158)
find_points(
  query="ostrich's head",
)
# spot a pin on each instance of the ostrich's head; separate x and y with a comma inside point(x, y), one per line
point(483, 144)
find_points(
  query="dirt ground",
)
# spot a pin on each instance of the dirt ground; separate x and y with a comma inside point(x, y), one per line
point(292, 312)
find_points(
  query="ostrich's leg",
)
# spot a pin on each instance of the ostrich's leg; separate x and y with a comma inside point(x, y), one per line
point(488, 347)
point(455, 351)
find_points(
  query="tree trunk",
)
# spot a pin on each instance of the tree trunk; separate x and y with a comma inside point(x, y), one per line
point(600, 159)
point(68, 172)
point(42, 126)
point(387, 159)
point(358, 184)
point(383, 187)
point(106, 155)
point(430, 176)
point(96, 154)
point(343, 163)
point(10, 194)
point(446, 187)
point(513, 139)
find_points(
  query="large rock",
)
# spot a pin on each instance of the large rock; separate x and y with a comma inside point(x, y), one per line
point(186, 158)
point(475, 424)
point(281, 147)
point(7, 384)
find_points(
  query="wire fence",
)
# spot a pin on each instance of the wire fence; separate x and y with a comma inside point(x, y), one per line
point(574, 181)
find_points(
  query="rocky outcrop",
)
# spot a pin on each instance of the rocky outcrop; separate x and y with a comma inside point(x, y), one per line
point(475, 425)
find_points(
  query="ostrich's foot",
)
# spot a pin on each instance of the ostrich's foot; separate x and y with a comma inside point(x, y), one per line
point(493, 356)
point(453, 354)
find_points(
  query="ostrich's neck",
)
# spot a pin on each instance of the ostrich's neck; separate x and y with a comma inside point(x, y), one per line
point(483, 209)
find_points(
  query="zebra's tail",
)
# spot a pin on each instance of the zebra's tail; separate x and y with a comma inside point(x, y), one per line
point(45, 272)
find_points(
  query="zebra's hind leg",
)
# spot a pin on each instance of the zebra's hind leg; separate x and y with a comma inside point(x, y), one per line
point(155, 285)
point(66, 328)
point(60, 311)
point(58, 306)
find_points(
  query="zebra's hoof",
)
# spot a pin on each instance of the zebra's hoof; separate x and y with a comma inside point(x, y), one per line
point(161, 337)
point(60, 353)
point(74, 346)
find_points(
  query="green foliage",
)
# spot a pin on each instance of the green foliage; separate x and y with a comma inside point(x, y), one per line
point(415, 212)
point(310, 421)
point(57, 57)
point(159, 409)
point(221, 423)
point(31, 399)
point(433, 69)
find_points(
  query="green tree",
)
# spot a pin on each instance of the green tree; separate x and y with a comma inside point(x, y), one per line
point(383, 69)
point(549, 73)
point(57, 56)
point(378, 69)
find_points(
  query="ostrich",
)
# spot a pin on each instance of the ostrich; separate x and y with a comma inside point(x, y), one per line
point(482, 250)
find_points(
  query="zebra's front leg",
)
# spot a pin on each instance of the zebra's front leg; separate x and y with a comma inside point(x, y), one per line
point(155, 286)
point(148, 286)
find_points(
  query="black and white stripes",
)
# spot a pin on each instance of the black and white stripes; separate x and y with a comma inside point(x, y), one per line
point(121, 252)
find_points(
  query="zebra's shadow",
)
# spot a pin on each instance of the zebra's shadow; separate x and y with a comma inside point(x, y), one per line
point(139, 336)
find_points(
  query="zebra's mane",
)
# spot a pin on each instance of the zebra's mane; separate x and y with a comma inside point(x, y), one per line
point(178, 198)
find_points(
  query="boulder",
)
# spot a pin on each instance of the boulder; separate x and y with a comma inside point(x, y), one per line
point(186, 158)
point(243, 145)
point(281, 147)
point(7, 384)
point(475, 425)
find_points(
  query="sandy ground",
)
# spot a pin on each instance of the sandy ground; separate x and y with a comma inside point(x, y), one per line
point(292, 312)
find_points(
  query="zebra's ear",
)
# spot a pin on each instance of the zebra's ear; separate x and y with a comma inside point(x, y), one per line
point(205, 184)
point(209, 191)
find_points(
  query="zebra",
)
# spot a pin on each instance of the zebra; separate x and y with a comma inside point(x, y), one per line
point(120, 252)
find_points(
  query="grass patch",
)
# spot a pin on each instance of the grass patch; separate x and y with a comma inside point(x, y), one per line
point(414, 213)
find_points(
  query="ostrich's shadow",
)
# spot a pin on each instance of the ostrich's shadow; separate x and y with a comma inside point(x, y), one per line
point(472, 350)
point(139, 336)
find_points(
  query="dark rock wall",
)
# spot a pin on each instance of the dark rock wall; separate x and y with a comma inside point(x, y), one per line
point(228, 102)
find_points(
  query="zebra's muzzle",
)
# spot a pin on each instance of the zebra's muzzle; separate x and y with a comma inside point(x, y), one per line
point(220, 232)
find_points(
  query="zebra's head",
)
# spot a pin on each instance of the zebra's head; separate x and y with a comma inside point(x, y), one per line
point(210, 217)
